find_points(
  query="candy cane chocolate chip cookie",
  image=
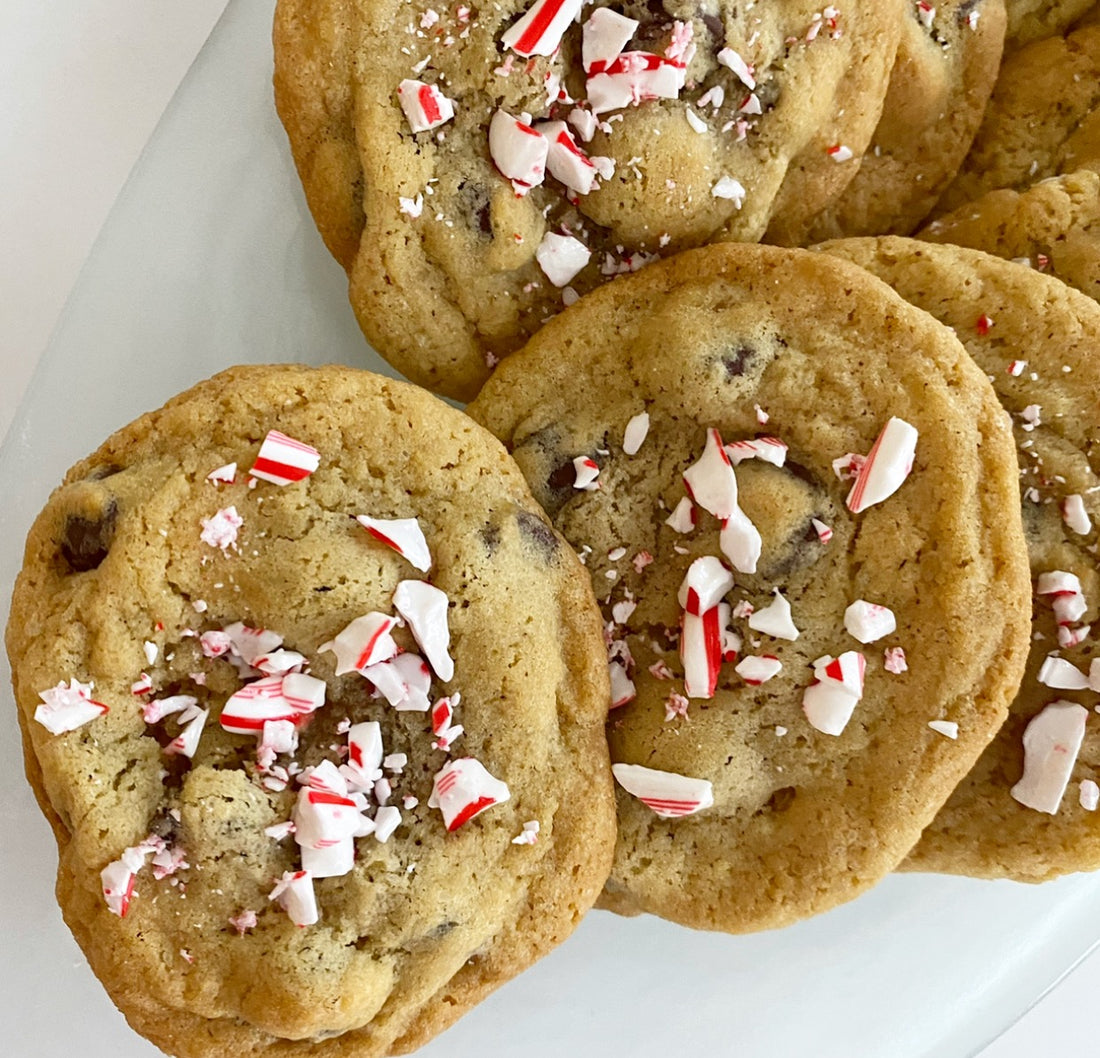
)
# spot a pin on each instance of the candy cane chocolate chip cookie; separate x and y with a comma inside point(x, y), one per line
point(1028, 809)
point(314, 699)
point(946, 66)
point(796, 496)
point(475, 168)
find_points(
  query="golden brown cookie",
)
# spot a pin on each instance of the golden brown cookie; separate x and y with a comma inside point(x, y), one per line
point(314, 699)
point(778, 647)
point(946, 66)
point(1053, 226)
point(1042, 119)
point(1032, 20)
point(464, 224)
point(1039, 342)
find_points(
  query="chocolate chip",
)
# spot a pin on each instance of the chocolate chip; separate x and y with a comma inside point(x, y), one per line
point(782, 799)
point(738, 361)
point(485, 220)
point(475, 200)
point(490, 535)
point(535, 530)
point(562, 477)
point(715, 27)
point(86, 541)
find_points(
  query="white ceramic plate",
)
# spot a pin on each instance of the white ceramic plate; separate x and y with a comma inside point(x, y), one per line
point(210, 258)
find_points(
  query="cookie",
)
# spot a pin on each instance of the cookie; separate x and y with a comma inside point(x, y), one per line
point(1053, 226)
point(946, 66)
point(288, 822)
point(785, 705)
point(1032, 20)
point(1043, 119)
point(1017, 815)
point(476, 169)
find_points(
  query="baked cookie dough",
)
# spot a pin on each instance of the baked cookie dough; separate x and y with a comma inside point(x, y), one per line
point(1042, 120)
point(276, 835)
point(1053, 226)
point(1038, 341)
point(475, 169)
point(1032, 20)
point(760, 788)
point(946, 66)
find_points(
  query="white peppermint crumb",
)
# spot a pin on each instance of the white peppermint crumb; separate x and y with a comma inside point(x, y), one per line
point(1089, 795)
point(947, 728)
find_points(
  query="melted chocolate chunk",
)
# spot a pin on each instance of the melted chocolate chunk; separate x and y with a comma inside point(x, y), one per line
point(715, 27)
point(535, 530)
point(86, 541)
point(476, 201)
point(738, 361)
point(782, 799)
point(490, 535)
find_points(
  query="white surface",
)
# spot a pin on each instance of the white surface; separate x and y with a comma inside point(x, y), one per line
point(81, 87)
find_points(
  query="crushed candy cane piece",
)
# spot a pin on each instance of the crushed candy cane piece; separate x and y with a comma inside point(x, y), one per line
point(829, 702)
point(566, 162)
point(363, 768)
point(676, 705)
point(404, 535)
point(1058, 582)
point(442, 715)
point(425, 106)
point(638, 427)
point(294, 894)
point(732, 61)
point(561, 257)
point(411, 207)
point(775, 619)
point(386, 820)
point(221, 528)
point(151, 651)
point(757, 670)
point(584, 121)
point(947, 728)
point(463, 789)
point(155, 711)
point(1062, 675)
point(586, 471)
point(518, 151)
point(623, 690)
point(225, 475)
point(701, 652)
point(403, 681)
point(633, 77)
point(740, 542)
point(1089, 795)
point(893, 660)
point(604, 36)
point(824, 533)
point(727, 187)
point(668, 794)
point(540, 30)
point(887, 466)
point(1052, 740)
point(424, 607)
point(529, 835)
point(704, 585)
point(142, 685)
point(1075, 515)
point(682, 518)
point(279, 662)
point(187, 741)
point(1016, 368)
point(283, 460)
point(248, 644)
point(840, 153)
point(215, 643)
point(868, 621)
point(243, 922)
point(710, 480)
point(293, 697)
point(769, 449)
point(65, 708)
point(364, 642)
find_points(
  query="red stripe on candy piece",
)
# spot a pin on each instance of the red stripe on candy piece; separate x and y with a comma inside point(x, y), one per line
point(323, 797)
point(428, 104)
point(471, 810)
point(264, 466)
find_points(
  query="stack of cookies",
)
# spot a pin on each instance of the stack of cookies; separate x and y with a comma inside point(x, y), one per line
point(779, 329)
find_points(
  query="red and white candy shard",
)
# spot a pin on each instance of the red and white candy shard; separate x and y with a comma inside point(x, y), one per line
point(704, 585)
point(710, 480)
point(540, 30)
point(248, 644)
point(586, 470)
point(893, 660)
point(283, 460)
point(1062, 675)
point(279, 662)
point(730, 189)
point(155, 711)
point(682, 518)
point(403, 681)
point(225, 475)
point(424, 607)
point(278, 736)
point(294, 894)
point(565, 161)
point(561, 257)
point(887, 466)
point(442, 715)
point(732, 61)
point(293, 697)
point(386, 820)
point(326, 822)
point(828, 703)
point(638, 427)
point(65, 708)
point(462, 789)
point(363, 766)
point(604, 36)
point(117, 880)
point(623, 690)
point(425, 106)
point(769, 449)
point(824, 533)
point(868, 621)
point(701, 652)
point(518, 151)
point(243, 922)
point(529, 835)
point(758, 670)
point(1075, 515)
point(633, 77)
point(215, 643)
point(740, 542)
point(187, 741)
point(220, 529)
point(775, 619)
point(364, 642)
point(404, 535)
point(1052, 740)
point(668, 794)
